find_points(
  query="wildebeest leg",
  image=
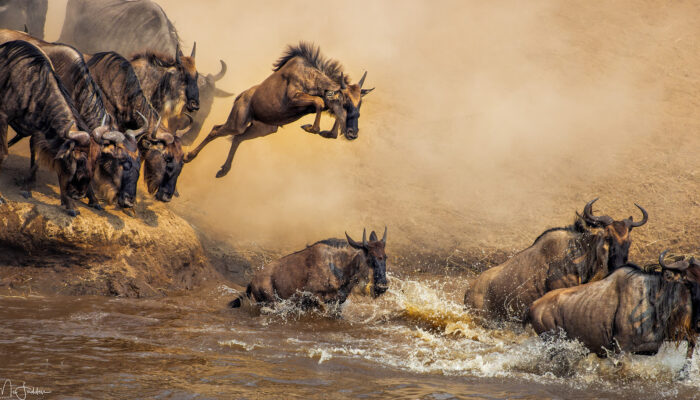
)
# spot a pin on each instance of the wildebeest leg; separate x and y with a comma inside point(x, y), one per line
point(304, 100)
point(255, 130)
point(3, 146)
point(29, 181)
point(333, 133)
point(92, 199)
point(238, 121)
point(687, 365)
point(65, 199)
point(14, 140)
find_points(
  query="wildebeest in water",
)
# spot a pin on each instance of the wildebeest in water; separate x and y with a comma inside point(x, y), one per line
point(327, 271)
point(24, 14)
point(586, 251)
point(133, 27)
point(114, 177)
point(161, 151)
point(630, 310)
point(34, 103)
point(303, 82)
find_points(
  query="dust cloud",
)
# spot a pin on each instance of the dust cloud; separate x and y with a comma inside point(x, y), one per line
point(491, 121)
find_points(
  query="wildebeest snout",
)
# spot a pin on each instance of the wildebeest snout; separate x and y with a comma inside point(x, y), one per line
point(192, 105)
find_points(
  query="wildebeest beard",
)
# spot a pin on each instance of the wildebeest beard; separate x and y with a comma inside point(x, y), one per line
point(118, 172)
point(163, 164)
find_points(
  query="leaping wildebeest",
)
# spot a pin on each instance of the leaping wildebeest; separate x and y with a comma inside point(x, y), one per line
point(135, 27)
point(24, 14)
point(114, 176)
point(160, 150)
point(34, 103)
point(326, 271)
point(584, 252)
point(303, 82)
point(630, 310)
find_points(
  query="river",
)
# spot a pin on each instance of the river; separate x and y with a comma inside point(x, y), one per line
point(416, 341)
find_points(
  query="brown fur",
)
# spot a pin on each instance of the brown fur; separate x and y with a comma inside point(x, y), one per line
point(303, 82)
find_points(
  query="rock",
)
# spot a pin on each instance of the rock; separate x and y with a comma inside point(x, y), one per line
point(107, 252)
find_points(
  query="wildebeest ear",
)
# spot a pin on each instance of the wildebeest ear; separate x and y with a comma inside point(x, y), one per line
point(669, 276)
point(373, 237)
point(65, 149)
point(178, 55)
point(363, 92)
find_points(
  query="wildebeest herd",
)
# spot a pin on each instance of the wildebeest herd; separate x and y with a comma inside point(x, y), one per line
point(125, 95)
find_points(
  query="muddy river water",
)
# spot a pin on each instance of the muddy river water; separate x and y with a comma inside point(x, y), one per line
point(416, 341)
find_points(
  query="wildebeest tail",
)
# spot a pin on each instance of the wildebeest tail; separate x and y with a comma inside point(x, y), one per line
point(236, 303)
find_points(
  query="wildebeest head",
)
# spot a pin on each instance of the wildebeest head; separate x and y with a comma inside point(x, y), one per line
point(376, 259)
point(187, 73)
point(616, 233)
point(207, 92)
point(345, 105)
point(76, 158)
point(119, 164)
point(163, 158)
point(687, 272)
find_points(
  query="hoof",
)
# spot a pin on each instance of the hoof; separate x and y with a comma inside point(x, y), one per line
point(96, 206)
point(222, 172)
point(309, 128)
point(328, 135)
point(129, 211)
point(73, 213)
point(188, 157)
point(2, 201)
point(26, 194)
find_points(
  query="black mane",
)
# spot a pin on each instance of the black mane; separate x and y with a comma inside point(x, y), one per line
point(578, 226)
point(312, 54)
point(333, 242)
point(155, 59)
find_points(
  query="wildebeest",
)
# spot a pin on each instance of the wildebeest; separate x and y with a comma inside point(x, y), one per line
point(303, 82)
point(21, 14)
point(207, 92)
point(113, 178)
point(35, 103)
point(630, 310)
point(170, 84)
point(327, 270)
point(559, 258)
point(131, 27)
point(160, 150)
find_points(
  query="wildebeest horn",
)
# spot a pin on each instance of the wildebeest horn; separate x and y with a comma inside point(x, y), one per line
point(166, 137)
point(104, 120)
point(645, 217)
point(384, 237)
point(353, 243)
point(591, 219)
point(194, 49)
point(141, 130)
point(113, 136)
point(342, 81)
point(661, 258)
point(364, 237)
point(362, 80)
point(178, 54)
point(155, 129)
point(222, 72)
point(79, 136)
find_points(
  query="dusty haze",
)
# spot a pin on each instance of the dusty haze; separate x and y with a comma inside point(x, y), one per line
point(491, 122)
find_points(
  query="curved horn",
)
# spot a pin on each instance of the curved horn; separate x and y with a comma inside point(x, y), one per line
point(113, 136)
point(194, 50)
point(592, 219)
point(157, 126)
point(104, 120)
point(353, 243)
point(141, 130)
point(384, 237)
point(364, 237)
point(362, 80)
point(182, 131)
point(342, 81)
point(166, 137)
point(79, 136)
point(645, 217)
point(222, 72)
point(661, 259)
